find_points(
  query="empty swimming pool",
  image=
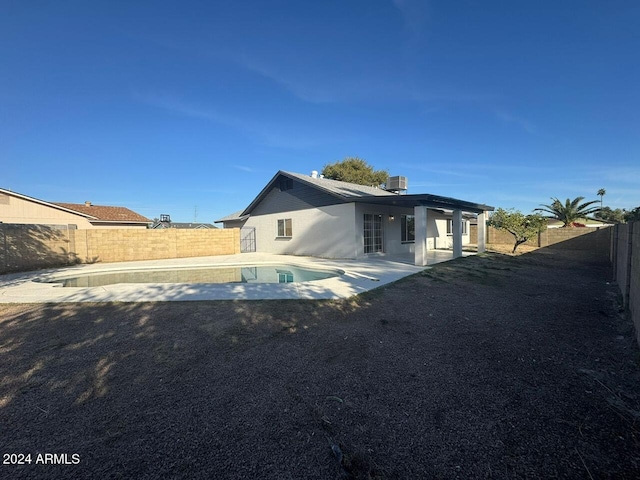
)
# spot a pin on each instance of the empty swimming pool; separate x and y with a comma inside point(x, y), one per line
point(199, 275)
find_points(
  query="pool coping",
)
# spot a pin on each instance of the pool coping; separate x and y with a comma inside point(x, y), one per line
point(359, 276)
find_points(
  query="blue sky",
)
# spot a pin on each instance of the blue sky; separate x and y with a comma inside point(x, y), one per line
point(190, 107)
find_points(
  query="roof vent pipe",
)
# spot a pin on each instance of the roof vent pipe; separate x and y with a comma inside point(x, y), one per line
point(87, 203)
point(314, 174)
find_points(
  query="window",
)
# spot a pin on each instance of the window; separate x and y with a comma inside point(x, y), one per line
point(408, 228)
point(285, 277)
point(284, 228)
point(450, 227)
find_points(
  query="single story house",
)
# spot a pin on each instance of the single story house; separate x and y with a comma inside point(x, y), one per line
point(309, 215)
point(17, 208)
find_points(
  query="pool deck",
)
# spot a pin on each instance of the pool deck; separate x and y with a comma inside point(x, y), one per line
point(360, 276)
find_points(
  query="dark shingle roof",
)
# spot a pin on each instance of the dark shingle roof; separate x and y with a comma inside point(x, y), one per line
point(351, 192)
point(232, 216)
point(344, 189)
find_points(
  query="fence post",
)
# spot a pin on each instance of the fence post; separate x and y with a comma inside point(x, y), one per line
point(629, 258)
point(5, 255)
point(613, 250)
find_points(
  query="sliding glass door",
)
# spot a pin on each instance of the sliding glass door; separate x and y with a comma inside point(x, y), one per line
point(372, 233)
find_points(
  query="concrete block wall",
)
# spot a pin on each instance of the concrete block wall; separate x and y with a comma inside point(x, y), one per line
point(625, 257)
point(597, 239)
point(576, 238)
point(634, 279)
point(31, 247)
point(26, 247)
point(502, 237)
point(197, 243)
point(130, 245)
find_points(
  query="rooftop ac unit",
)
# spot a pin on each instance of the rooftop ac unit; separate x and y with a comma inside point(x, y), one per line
point(396, 184)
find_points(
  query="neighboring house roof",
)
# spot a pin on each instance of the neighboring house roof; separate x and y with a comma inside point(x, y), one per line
point(183, 225)
point(233, 216)
point(93, 213)
point(345, 192)
point(41, 202)
point(105, 213)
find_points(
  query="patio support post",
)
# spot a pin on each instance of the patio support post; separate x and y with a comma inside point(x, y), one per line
point(420, 216)
point(457, 233)
point(482, 232)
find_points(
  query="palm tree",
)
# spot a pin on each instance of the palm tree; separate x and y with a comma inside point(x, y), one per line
point(570, 211)
point(602, 192)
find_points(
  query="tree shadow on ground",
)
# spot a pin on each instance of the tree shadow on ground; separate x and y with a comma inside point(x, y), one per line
point(490, 366)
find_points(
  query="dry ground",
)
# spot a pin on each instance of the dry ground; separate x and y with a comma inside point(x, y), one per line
point(487, 367)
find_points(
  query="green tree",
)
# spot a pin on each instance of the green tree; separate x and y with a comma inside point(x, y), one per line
point(632, 215)
point(570, 211)
point(609, 215)
point(521, 226)
point(355, 170)
point(602, 192)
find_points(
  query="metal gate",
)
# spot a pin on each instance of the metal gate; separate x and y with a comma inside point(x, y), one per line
point(247, 239)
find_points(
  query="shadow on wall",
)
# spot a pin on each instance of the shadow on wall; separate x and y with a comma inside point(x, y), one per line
point(31, 247)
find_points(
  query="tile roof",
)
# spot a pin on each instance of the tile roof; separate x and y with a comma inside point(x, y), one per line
point(105, 213)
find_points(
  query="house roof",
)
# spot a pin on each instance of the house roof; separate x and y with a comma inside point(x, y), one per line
point(184, 225)
point(429, 201)
point(93, 213)
point(343, 191)
point(105, 213)
point(336, 187)
point(233, 216)
point(41, 202)
point(346, 192)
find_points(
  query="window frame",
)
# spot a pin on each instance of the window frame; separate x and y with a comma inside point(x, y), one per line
point(282, 230)
point(465, 228)
point(406, 234)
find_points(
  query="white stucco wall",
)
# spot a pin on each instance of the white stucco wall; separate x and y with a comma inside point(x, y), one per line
point(336, 231)
point(392, 229)
point(324, 232)
point(437, 231)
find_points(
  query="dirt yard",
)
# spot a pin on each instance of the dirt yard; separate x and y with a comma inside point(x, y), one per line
point(486, 367)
